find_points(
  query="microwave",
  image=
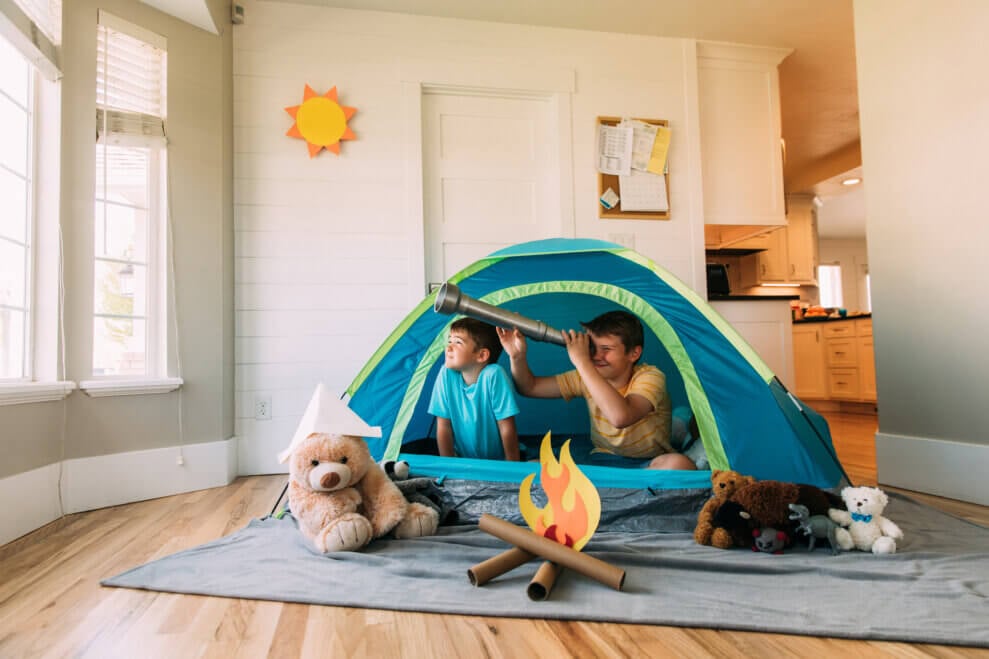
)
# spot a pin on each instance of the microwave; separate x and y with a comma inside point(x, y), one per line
point(717, 279)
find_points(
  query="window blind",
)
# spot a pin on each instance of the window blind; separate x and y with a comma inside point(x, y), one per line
point(34, 28)
point(130, 83)
point(46, 14)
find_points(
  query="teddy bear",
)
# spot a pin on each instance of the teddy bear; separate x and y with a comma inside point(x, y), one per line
point(723, 484)
point(867, 529)
point(768, 501)
point(343, 499)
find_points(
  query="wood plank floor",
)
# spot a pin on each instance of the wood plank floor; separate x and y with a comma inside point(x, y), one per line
point(51, 603)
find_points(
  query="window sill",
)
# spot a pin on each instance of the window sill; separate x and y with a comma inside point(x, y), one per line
point(34, 392)
point(100, 388)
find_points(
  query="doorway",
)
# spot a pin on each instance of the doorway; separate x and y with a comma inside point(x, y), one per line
point(491, 175)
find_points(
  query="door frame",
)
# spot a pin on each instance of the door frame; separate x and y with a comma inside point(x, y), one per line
point(419, 78)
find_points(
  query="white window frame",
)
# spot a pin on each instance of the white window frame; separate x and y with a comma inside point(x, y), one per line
point(143, 131)
point(39, 380)
point(830, 285)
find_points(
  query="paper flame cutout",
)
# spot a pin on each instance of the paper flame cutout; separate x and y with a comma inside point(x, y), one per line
point(573, 507)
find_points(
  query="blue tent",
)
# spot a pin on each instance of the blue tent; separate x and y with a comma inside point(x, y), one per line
point(747, 420)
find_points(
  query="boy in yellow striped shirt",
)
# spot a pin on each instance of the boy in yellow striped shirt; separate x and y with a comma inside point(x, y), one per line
point(629, 407)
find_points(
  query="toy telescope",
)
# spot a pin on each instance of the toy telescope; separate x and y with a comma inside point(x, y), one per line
point(450, 300)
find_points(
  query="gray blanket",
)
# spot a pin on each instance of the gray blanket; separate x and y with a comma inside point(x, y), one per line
point(934, 590)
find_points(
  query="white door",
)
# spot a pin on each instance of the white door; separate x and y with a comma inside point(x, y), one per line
point(490, 176)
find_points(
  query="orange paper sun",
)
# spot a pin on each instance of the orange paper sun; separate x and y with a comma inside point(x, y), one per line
point(321, 121)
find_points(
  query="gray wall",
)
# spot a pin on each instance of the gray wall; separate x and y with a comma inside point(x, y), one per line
point(200, 102)
point(925, 147)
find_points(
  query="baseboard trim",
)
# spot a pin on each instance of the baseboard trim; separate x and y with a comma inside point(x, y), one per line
point(935, 466)
point(112, 480)
point(260, 456)
point(30, 501)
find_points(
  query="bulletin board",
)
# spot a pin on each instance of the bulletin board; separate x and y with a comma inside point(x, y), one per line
point(606, 181)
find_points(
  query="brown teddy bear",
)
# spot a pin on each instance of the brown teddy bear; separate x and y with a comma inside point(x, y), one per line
point(343, 499)
point(724, 484)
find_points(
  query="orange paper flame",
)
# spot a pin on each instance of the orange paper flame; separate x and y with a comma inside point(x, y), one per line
point(573, 507)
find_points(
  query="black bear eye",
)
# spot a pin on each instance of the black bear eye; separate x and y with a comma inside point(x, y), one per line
point(343, 460)
point(314, 463)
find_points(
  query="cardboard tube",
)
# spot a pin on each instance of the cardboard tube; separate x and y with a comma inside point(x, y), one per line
point(562, 555)
point(495, 566)
point(541, 584)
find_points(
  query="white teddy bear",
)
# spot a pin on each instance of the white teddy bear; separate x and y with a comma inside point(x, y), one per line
point(867, 529)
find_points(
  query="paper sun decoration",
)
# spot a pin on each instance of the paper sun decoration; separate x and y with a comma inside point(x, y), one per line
point(573, 509)
point(321, 121)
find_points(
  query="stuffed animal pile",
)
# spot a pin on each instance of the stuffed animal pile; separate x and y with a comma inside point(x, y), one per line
point(343, 499)
point(767, 515)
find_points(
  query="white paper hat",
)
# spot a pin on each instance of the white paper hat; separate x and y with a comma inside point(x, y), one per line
point(328, 414)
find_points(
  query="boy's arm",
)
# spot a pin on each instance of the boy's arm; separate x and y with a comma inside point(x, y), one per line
point(509, 438)
point(444, 436)
point(527, 384)
point(620, 411)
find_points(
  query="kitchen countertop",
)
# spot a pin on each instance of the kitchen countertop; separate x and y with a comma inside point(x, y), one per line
point(829, 319)
point(728, 298)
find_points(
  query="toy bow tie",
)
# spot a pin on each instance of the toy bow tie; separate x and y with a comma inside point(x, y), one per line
point(859, 517)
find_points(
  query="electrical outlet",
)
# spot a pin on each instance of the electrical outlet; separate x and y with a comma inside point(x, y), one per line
point(262, 408)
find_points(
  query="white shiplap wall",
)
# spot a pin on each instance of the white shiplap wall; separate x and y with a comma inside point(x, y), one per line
point(326, 257)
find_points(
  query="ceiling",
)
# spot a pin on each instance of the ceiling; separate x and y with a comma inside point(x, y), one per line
point(818, 87)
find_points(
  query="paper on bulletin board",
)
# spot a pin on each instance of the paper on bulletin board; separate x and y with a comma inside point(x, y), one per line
point(643, 138)
point(643, 191)
point(614, 149)
point(660, 151)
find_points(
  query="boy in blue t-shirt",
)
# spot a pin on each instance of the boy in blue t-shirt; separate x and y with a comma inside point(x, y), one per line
point(473, 398)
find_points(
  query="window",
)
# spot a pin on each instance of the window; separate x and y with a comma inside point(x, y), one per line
point(130, 202)
point(16, 226)
point(829, 285)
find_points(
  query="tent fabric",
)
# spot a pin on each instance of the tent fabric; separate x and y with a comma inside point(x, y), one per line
point(747, 420)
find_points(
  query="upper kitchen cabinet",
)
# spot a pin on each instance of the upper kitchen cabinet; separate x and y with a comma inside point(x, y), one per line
point(741, 149)
point(801, 240)
point(789, 254)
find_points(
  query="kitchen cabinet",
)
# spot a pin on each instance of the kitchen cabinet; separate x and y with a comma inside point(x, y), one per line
point(835, 360)
point(721, 236)
point(769, 266)
point(809, 368)
point(801, 240)
point(790, 255)
point(741, 148)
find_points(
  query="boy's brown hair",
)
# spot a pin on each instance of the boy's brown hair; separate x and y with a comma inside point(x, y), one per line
point(483, 334)
point(622, 324)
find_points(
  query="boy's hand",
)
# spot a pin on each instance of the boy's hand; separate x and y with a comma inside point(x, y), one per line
point(578, 348)
point(512, 341)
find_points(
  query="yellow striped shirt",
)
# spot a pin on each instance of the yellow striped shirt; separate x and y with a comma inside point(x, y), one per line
point(647, 437)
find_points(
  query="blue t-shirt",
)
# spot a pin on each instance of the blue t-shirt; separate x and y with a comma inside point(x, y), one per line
point(474, 410)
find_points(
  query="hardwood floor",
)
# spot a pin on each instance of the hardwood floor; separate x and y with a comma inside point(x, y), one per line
point(51, 603)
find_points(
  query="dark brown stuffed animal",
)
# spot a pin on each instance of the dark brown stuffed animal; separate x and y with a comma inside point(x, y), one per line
point(724, 484)
point(733, 526)
point(768, 502)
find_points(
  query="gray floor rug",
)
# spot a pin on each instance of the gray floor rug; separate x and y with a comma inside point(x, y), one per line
point(934, 590)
